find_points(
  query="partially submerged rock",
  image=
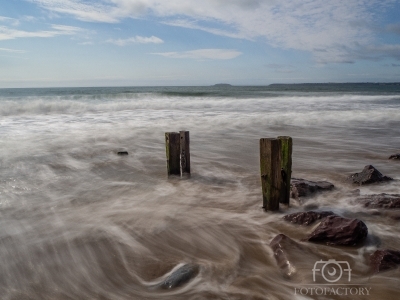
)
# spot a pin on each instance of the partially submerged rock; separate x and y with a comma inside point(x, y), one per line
point(301, 187)
point(180, 276)
point(387, 201)
point(395, 156)
point(122, 153)
point(368, 175)
point(292, 256)
point(336, 230)
point(307, 217)
point(382, 260)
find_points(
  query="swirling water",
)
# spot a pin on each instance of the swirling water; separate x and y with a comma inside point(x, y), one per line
point(77, 221)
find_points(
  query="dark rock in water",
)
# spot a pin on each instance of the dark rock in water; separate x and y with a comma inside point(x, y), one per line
point(388, 201)
point(335, 230)
point(307, 217)
point(301, 187)
point(292, 256)
point(382, 260)
point(311, 206)
point(356, 192)
point(122, 152)
point(368, 175)
point(395, 156)
point(395, 217)
point(180, 276)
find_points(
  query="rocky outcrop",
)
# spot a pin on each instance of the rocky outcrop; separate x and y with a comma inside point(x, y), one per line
point(382, 260)
point(386, 201)
point(301, 187)
point(336, 230)
point(307, 217)
point(395, 156)
point(368, 175)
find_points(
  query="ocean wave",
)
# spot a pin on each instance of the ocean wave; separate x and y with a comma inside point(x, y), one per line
point(73, 104)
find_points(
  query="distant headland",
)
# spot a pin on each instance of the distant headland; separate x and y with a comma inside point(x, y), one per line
point(222, 85)
point(333, 83)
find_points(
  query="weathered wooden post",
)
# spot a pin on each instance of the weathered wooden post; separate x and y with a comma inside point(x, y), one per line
point(172, 148)
point(184, 153)
point(178, 153)
point(270, 166)
point(286, 165)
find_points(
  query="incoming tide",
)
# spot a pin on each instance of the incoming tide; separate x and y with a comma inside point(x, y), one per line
point(78, 221)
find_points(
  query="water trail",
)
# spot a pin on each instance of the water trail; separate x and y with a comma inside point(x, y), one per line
point(78, 221)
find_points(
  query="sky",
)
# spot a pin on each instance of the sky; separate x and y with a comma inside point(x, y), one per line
point(51, 43)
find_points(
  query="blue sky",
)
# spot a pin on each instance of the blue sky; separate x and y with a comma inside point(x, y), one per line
point(46, 43)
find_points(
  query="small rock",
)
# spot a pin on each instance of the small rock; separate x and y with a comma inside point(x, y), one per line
point(368, 175)
point(180, 276)
point(122, 152)
point(301, 187)
point(382, 260)
point(307, 217)
point(336, 230)
point(395, 217)
point(387, 201)
point(395, 156)
point(291, 256)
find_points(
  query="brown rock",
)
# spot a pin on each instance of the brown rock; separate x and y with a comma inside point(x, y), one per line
point(307, 217)
point(388, 201)
point(382, 260)
point(301, 187)
point(368, 175)
point(335, 230)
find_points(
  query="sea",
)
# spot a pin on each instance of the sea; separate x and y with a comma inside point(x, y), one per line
point(79, 221)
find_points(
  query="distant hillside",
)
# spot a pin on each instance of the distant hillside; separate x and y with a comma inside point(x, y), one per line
point(222, 84)
point(370, 87)
point(333, 83)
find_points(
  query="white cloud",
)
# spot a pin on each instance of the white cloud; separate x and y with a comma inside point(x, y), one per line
point(12, 50)
point(203, 54)
point(394, 28)
point(194, 25)
point(11, 21)
point(10, 34)
point(82, 10)
point(306, 25)
point(281, 68)
point(378, 51)
point(86, 43)
point(136, 40)
point(28, 18)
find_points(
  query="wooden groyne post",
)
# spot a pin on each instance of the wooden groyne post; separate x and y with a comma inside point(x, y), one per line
point(184, 152)
point(276, 171)
point(172, 150)
point(270, 167)
point(286, 167)
point(178, 153)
